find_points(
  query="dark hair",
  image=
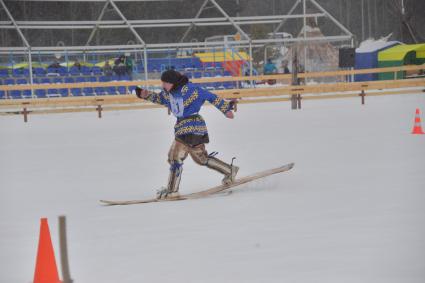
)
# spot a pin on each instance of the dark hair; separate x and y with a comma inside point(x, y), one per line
point(175, 78)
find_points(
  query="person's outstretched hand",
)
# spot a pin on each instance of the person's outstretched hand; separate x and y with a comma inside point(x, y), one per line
point(229, 114)
point(142, 93)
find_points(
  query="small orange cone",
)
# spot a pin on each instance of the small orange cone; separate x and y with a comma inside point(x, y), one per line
point(46, 270)
point(417, 128)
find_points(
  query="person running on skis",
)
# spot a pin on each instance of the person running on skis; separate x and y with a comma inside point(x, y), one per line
point(185, 100)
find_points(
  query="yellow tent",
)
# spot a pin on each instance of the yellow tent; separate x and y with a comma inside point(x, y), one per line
point(71, 63)
point(101, 64)
point(222, 56)
point(25, 65)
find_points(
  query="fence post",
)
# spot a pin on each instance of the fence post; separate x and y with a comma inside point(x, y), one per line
point(99, 111)
point(363, 94)
point(25, 112)
point(295, 81)
point(293, 101)
point(299, 100)
point(63, 248)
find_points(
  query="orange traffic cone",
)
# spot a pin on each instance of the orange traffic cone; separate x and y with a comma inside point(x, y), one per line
point(46, 270)
point(417, 128)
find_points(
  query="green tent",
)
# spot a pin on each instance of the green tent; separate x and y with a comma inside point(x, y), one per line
point(407, 54)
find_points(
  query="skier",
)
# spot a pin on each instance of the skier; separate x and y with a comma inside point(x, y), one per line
point(185, 100)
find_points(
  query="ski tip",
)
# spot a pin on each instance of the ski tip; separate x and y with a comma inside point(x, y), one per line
point(289, 165)
point(106, 202)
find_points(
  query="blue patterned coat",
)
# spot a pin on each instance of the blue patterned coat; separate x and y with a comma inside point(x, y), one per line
point(185, 102)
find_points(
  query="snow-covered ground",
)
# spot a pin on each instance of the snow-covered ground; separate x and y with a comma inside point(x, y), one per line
point(352, 209)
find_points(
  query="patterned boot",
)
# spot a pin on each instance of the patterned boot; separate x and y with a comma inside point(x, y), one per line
point(228, 170)
point(172, 189)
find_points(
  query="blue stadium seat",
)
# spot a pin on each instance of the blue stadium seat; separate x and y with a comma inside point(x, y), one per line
point(4, 73)
point(21, 81)
point(74, 71)
point(76, 92)
point(2, 94)
point(45, 81)
point(197, 75)
point(111, 90)
point(228, 85)
point(104, 79)
point(86, 73)
point(140, 68)
point(16, 94)
point(69, 80)
point(26, 72)
point(26, 93)
point(39, 71)
point(207, 85)
point(100, 90)
point(57, 80)
point(80, 79)
point(53, 92)
point(97, 70)
point(85, 70)
point(63, 92)
point(17, 73)
point(62, 71)
point(122, 90)
point(125, 78)
point(40, 93)
point(131, 89)
point(52, 70)
point(9, 81)
point(210, 68)
point(219, 72)
point(92, 79)
point(115, 78)
point(88, 91)
point(217, 85)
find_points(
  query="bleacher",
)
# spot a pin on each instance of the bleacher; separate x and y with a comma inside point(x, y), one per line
point(162, 64)
point(54, 76)
point(190, 66)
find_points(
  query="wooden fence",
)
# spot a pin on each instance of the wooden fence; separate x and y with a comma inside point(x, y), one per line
point(246, 95)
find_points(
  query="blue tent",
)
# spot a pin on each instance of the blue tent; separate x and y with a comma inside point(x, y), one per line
point(367, 57)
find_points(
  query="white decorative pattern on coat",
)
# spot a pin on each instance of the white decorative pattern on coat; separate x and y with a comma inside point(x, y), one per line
point(184, 90)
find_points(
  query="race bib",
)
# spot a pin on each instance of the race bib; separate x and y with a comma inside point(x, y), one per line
point(177, 107)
